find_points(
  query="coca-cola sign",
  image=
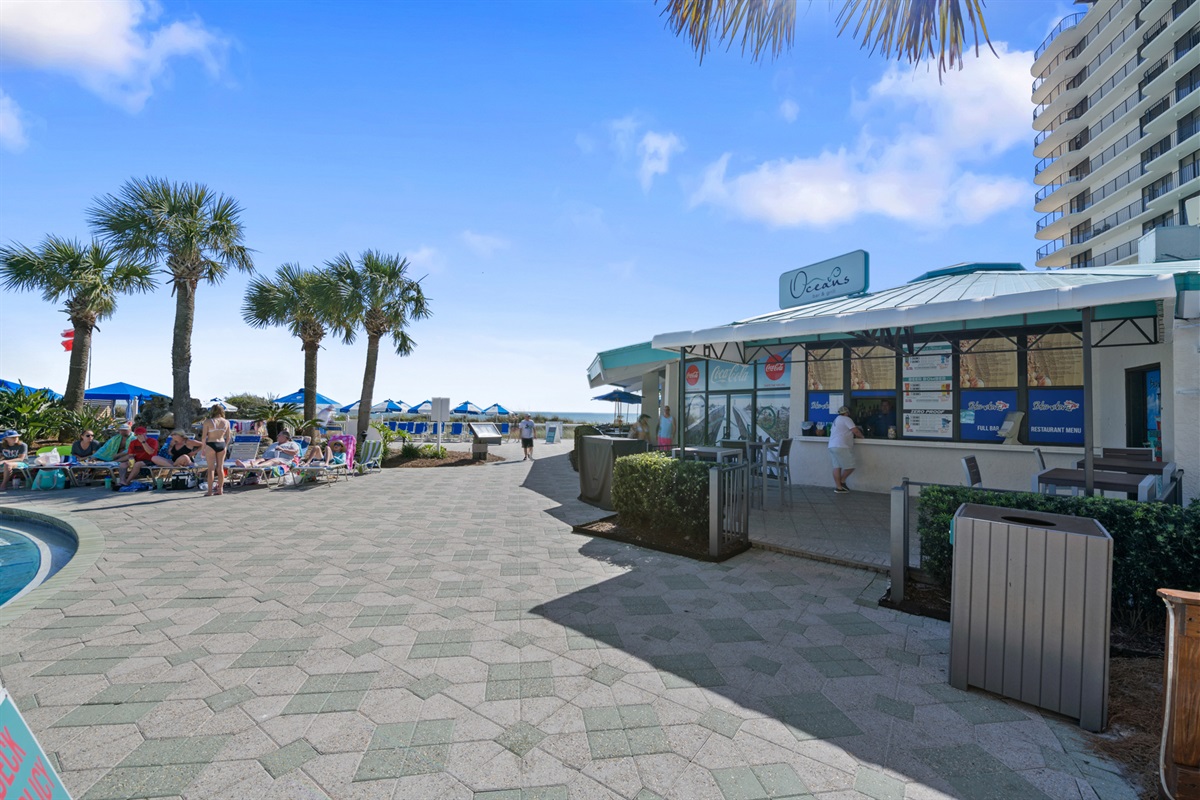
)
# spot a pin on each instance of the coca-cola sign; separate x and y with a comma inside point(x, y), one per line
point(775, 368)
point(836, 277)
point(692, 376)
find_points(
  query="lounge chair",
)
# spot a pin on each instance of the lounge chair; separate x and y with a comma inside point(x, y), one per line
point(504, 430)
point(371, 458)
point(309, 473)
point(244, 447)
point(456, 431)
point(419, 430)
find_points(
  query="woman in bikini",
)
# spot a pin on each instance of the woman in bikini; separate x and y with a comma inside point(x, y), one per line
point(214, 436)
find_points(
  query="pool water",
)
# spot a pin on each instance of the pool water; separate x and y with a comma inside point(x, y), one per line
point(29, 554)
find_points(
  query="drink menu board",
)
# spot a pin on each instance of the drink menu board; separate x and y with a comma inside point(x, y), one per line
point(928, 378)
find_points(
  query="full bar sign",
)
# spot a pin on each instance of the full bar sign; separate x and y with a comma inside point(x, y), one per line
point(836, 277)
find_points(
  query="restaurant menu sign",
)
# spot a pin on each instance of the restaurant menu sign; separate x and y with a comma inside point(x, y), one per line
point(25, 771)
point(1056, 416)
point(835, 277)
point(928, 378)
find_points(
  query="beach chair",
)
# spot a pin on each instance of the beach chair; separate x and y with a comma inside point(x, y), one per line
point(504, 430)
point(456, 431)
point(244, 447)
point(419, 429)
point(312, 473)
point(371, 458)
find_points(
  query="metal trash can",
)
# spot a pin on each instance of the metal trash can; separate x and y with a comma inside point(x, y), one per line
point(1030, 609)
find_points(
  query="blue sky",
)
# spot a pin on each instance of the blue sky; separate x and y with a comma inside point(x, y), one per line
point(567, 175)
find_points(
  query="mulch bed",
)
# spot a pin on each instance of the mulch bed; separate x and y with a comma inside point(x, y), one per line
point(1135, 691)
point(454, 458)
point(675, 544)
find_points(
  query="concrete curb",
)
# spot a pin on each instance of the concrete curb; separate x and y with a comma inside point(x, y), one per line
point(89, 544)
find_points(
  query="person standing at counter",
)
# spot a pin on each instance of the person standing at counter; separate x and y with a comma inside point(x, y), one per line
point(666, 429)
point(842, 434)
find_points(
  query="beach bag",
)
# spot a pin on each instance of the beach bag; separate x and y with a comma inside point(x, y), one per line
point(48, 479)
point(183, 480)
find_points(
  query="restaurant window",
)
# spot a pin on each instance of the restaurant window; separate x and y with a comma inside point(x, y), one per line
point(1054, 375)
point(987, 382)
point(824, 379)
point(1143, 406)
point(773, 399)
point(695, 410)
point(873, 391)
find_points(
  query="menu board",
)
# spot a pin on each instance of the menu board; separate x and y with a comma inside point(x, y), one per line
point(928, 378)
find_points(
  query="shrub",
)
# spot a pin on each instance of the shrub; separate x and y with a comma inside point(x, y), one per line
point(387, 435)
point(433, 451)
point(658, 494)
point(410, 450)
point(35, 414)
point(580, 432)
point(1155, 545)
point(91, 418)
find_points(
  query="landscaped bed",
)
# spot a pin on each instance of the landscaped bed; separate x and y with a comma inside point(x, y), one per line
point(453, 458)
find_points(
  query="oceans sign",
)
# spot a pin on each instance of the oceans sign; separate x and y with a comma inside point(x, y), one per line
point(984, 411)
point(25, 772)
point(836, 277)
point(1056, 416)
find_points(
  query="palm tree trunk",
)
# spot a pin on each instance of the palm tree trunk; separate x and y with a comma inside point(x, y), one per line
point(81, 347)
point(368, 388)
point(310, 382)
point(181, 353)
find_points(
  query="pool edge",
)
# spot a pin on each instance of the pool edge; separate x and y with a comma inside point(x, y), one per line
point(89, 543)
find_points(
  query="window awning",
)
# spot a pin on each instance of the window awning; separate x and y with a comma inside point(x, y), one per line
point(625, 366)
point(979, 296)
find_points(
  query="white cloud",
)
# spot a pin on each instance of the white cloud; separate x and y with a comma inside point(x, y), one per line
point(919, 172)
point(621, 132)
point(655, 150)
point(115, 48)
point(482, 244)
point(789, 110)
point(426, 258)
point(12, 127)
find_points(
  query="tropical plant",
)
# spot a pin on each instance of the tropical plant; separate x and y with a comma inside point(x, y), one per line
point(34, 413)
point(387, 436)
point(377, 295)
point(432, 451)
point(193, 235)
point(911, 30)
point(88, 279)
point(72, 424)
point(295, 299)
point(246, 401)
point(279, 415)
point(410, 450)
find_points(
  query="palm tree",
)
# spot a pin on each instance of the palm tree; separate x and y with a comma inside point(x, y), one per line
point(88, 279)
point(193, 235)
point(904, 29)
point(298, 300)
point(375, 294)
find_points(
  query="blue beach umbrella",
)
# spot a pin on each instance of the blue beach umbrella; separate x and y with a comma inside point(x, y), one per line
point(297, 397)
point(467, 408)
point(495, 409)
point(422, 408)
point(618, 396)
point(350, 409)
point(389, 407)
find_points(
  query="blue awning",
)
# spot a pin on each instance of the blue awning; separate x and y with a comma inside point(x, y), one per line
point(120, 391)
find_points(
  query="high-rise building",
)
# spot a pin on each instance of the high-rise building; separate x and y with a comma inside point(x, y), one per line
point(1116, 119)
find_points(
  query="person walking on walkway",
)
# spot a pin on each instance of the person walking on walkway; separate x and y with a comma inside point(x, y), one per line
point(842, 434)
point(666, 429)
point(526, 428)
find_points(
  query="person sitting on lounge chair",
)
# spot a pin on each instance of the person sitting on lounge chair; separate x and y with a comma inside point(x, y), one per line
point(316, 454)
point(142, 449)
point(177, 451)
point(337, 453)
point(284, 452)
point(12, 452)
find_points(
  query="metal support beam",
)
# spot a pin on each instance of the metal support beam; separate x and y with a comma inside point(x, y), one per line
point(1089, 411)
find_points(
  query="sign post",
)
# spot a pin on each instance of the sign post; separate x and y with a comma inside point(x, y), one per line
point(835, 277)
point(440, 414)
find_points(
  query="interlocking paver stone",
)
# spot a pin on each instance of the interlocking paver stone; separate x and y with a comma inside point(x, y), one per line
point(443, 633)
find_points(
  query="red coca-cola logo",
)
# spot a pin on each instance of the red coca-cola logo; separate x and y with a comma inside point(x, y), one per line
point(693, 375)
point(775, 367)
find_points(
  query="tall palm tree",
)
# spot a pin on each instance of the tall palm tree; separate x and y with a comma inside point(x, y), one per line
point(377, 295)
point(192, 235)
point(904, 29)
point(89, 279)
point(299, 300)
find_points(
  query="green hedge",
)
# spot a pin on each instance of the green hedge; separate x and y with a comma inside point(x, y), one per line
point(1155, 545)
point(658, 494)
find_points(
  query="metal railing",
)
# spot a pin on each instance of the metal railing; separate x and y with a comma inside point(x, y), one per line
point(728, 508)
point(1069, 21)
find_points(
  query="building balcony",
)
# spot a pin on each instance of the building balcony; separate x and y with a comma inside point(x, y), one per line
point(1065, 24)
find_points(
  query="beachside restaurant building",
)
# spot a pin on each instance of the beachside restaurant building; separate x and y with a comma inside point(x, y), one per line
point(932, 370)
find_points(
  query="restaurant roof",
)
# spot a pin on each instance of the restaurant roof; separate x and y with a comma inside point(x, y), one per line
point(962, 296)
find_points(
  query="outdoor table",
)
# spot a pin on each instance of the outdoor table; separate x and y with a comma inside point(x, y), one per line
point(708, 453)
point(1136, 487)
point(1133, 466)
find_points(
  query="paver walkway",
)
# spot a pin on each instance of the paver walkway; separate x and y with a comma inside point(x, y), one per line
point(441, 633)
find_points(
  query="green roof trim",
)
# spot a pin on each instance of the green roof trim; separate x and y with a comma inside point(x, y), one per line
point(634, 354)
point(1187, 280)
point(967, 269)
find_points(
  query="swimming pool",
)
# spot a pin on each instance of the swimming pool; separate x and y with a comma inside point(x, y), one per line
point(30, 553)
